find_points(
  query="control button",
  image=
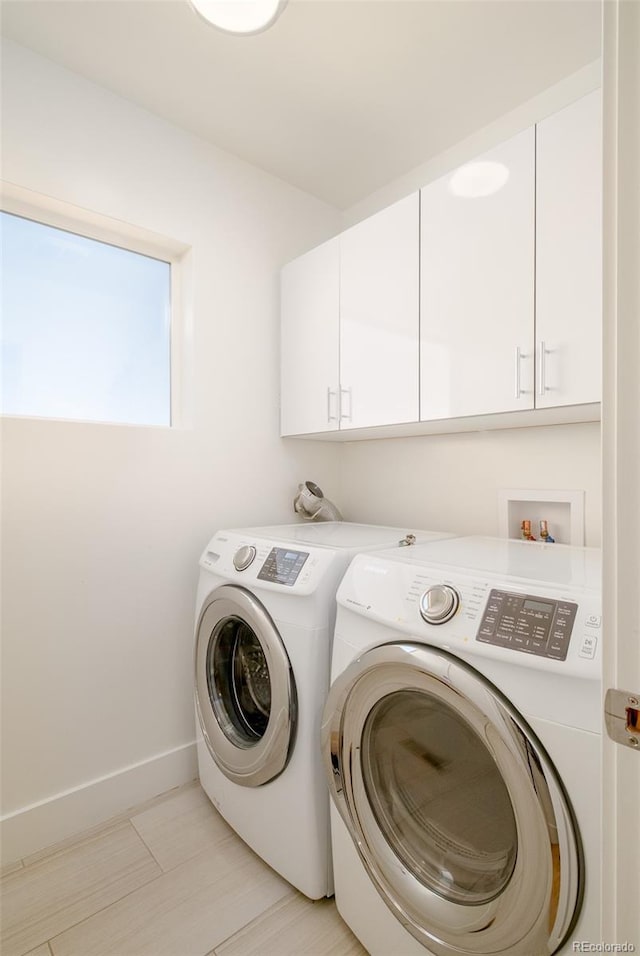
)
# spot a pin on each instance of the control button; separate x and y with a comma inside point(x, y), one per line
point(589, 644)
point(244, 557)
point(593, 621)
point(439, 603)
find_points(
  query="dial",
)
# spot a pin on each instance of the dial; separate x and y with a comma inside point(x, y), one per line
point(244, 557)
point(439, 603)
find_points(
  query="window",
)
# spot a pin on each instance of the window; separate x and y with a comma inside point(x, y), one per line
point(86, 328)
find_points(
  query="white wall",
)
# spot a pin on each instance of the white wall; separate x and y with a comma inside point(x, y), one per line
point(451, 482)
point(103, 525)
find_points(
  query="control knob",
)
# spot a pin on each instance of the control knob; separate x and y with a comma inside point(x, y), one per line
point(244, 557)
point(439, 603)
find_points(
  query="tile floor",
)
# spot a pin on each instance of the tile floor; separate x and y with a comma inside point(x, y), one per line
point(168, 878)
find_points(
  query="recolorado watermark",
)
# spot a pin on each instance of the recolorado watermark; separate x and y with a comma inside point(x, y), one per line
point(582, 946)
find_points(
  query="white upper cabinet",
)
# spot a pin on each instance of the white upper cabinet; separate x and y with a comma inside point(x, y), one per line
point(477, 285)
point(569, 255)
point(379, 324)
point(478, 296)
point(309, 346)
point(350, 327)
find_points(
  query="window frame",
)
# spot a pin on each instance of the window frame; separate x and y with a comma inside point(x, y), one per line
point(88, 224)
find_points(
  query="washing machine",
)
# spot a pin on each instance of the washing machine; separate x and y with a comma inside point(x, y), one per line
point(461, 741)
point(264, 625)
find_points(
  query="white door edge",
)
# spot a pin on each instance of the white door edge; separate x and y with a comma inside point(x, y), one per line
point(621, 458)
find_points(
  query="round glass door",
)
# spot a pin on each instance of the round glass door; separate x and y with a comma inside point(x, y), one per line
point(456, 812)
point(438, 797)
point(245, 692)
point(239, 682)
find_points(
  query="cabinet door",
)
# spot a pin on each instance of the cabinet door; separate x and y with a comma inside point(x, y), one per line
point(569, 255)
point(379, 301)
point(477, 285)
point(309, 342)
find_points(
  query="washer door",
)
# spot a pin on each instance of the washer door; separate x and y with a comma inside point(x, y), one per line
point(245, 691)
point(457, 813)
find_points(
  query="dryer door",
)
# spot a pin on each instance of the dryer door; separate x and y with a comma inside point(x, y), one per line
point(453, 805)
point(245, 691)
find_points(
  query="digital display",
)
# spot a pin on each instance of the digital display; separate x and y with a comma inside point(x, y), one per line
point(283, 566)
point(538, 606)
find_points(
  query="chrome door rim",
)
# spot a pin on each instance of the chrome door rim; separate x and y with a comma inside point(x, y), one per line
point(255, 765)
point(536, 911)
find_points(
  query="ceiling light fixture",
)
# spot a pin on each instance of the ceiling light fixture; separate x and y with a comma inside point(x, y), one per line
point(478, 179)
point(244, 17)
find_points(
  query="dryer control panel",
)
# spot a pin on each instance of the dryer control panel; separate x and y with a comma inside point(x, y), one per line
point(524, 622)
point(282, 566)
point(272, 566)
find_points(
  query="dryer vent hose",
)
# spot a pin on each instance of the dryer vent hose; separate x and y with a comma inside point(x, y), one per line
point(312, 505)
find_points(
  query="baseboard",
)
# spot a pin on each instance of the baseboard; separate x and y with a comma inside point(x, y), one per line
point(42, 824)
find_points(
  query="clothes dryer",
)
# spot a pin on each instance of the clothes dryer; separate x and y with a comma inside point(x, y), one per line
point(264, 626)
point(461, 740)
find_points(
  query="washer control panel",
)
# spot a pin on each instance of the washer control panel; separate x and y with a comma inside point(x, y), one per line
point(555, 624)
point(282, 566)
point(524, 622)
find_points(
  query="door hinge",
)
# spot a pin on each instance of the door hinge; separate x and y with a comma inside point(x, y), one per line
point(622, 717)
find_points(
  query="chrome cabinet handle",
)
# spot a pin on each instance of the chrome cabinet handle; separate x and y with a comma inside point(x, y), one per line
point(346, 416)
point(542, 384)
point(331, 393)
point(518, 389)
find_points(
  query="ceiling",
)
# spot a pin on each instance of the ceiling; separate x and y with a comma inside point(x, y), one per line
point(340, 97)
